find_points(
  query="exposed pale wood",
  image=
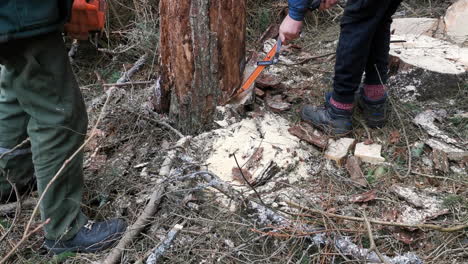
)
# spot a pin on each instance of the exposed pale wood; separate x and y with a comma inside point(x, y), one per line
point(422, 65)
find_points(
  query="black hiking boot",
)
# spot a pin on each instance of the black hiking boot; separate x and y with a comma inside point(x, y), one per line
point(92, 237)
point(330, 119)
point(375, 112)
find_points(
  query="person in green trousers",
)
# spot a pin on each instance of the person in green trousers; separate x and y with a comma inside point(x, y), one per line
point(40, 99)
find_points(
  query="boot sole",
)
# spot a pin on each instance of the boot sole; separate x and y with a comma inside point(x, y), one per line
point(91, 249)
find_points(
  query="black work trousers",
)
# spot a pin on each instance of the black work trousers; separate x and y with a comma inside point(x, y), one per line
point(363, 46)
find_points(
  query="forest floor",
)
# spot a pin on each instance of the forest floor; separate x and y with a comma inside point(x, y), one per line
point(123, 161)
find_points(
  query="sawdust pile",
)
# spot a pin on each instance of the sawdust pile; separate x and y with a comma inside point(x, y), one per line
point(259, 144)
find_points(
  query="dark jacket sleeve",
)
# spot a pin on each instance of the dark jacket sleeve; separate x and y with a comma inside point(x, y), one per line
point(298, 8)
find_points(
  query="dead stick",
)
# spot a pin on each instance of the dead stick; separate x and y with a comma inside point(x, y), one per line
point(159, 122)
point(11, 207)
point(15, 148)
point(127, 83)
point(247, 181)
point(18, 208)
point(157, 252)
point(13, 250)
point(373, 247)
point(379, 222)
point(341, 243)
point(145, 218)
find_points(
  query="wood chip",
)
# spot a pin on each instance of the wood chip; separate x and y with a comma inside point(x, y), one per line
point(440, 159)
point(277, 105)
point(310, 135)
point(364, 197)
point(353, 165)
point(268, 81)
point(237, 175)
point(259, 93)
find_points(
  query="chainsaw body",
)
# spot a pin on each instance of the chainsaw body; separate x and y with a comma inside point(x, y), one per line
point(88, 16)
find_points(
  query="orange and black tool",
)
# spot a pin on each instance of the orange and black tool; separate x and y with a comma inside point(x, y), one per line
point(88, 17)
point(271, 59)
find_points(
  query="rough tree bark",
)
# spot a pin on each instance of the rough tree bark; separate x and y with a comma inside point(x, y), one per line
point(202, 47)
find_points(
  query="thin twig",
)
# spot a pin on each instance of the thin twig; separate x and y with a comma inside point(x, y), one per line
point(15, 148)
point(18, 208)
point(449, 229)
point(373, 247)
point(369, 136)
point(23, 239)
point(159, 122)
point(127, 83)
point(246, 181)
point(143, 220)
point(408, 172)
point(438, 177)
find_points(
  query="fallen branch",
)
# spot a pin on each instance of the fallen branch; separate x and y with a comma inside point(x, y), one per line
point(136, 67)
point(9, 208)
point(159, 122)
point(373, 247)
point(127, 83)
point(123, 79)
point(159, 251)
point(145, 218)
point(379, 222)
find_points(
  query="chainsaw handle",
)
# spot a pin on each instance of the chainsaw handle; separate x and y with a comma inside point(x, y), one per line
point(275, 58)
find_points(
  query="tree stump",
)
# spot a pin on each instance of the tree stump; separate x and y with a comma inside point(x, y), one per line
point(202, 59)
point(425, 68)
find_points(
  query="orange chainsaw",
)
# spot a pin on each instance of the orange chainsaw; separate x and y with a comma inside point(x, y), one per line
point(87, 17)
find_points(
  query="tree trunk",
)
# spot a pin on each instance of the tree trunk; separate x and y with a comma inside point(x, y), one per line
point(202, 47)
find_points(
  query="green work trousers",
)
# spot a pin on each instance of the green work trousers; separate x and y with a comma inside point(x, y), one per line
point(40, 99)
